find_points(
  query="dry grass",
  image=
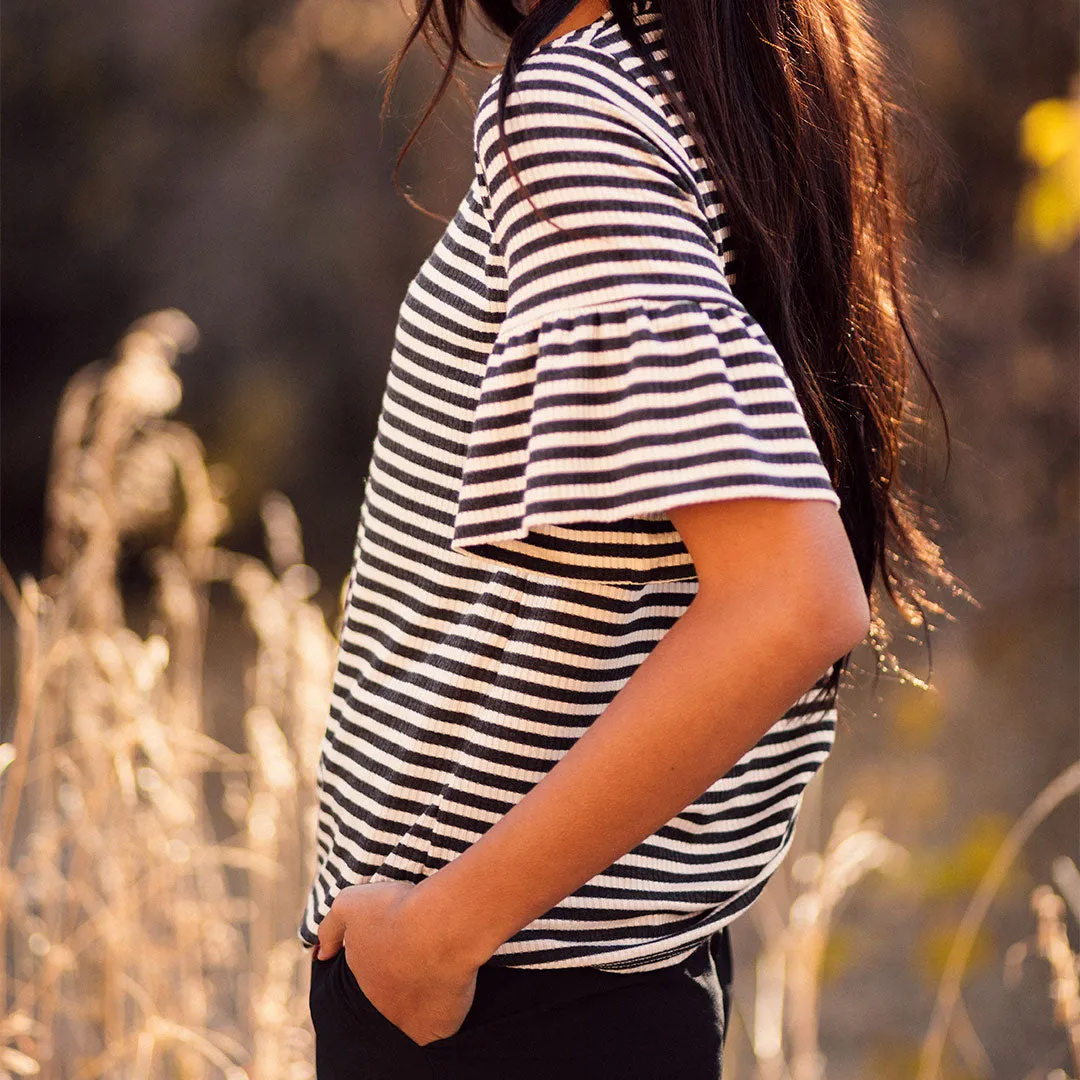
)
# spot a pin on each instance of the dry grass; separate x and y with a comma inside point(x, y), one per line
point(153, 877)
point(140, 937)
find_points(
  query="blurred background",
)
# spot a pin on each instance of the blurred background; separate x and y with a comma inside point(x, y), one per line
point(204, 254)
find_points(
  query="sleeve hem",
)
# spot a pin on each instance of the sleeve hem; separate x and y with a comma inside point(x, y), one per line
point(653, 509)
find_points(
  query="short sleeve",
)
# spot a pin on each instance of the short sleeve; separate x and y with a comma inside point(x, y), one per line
point(626, 378)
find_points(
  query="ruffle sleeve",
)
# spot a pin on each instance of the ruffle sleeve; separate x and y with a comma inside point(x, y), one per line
point(625, 410)
point(626, 378)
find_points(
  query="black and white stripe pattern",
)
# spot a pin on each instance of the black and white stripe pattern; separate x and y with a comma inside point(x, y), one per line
point(564, 372)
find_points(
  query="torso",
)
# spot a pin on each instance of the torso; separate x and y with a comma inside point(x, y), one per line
point(462, 677)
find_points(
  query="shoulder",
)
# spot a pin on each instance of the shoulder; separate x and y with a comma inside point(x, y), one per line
point(575, 86)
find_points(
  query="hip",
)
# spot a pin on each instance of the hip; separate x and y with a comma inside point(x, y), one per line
point(532, 1023)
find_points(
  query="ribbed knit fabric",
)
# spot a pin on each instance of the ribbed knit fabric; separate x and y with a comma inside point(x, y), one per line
point(564, 372)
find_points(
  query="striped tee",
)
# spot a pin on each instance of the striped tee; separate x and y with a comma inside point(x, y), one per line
point(565, 370)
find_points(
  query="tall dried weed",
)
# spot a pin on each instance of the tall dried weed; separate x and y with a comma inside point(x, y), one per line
point(153, 877)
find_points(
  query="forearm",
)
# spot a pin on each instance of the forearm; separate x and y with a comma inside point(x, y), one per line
point(709, 689)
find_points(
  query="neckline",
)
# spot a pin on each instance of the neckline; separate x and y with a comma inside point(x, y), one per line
point(584, 34)
point(572, 37)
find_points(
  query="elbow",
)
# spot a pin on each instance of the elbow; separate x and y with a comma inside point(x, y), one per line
point(825, 620)
point(818, 622)
point(841, 619)
point(833, 601)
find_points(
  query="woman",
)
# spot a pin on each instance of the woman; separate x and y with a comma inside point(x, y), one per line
point(614, 553)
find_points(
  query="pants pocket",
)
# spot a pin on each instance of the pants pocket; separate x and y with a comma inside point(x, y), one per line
point(352, 1038)
point(363, 1002)
point(366, 1009)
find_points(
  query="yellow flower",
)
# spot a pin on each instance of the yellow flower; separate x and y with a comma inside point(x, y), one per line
point(1048, 215)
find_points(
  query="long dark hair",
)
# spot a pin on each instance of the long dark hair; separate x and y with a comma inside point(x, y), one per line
point(788, 103)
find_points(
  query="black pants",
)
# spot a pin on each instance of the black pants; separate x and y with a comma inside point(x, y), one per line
point(532, 1024)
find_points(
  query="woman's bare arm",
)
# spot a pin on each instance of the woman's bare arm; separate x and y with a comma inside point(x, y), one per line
point(779, 599)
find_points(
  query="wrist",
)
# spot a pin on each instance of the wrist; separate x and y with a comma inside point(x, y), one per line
point(451, 931)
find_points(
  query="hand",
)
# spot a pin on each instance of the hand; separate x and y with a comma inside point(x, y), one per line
point(413, 986)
